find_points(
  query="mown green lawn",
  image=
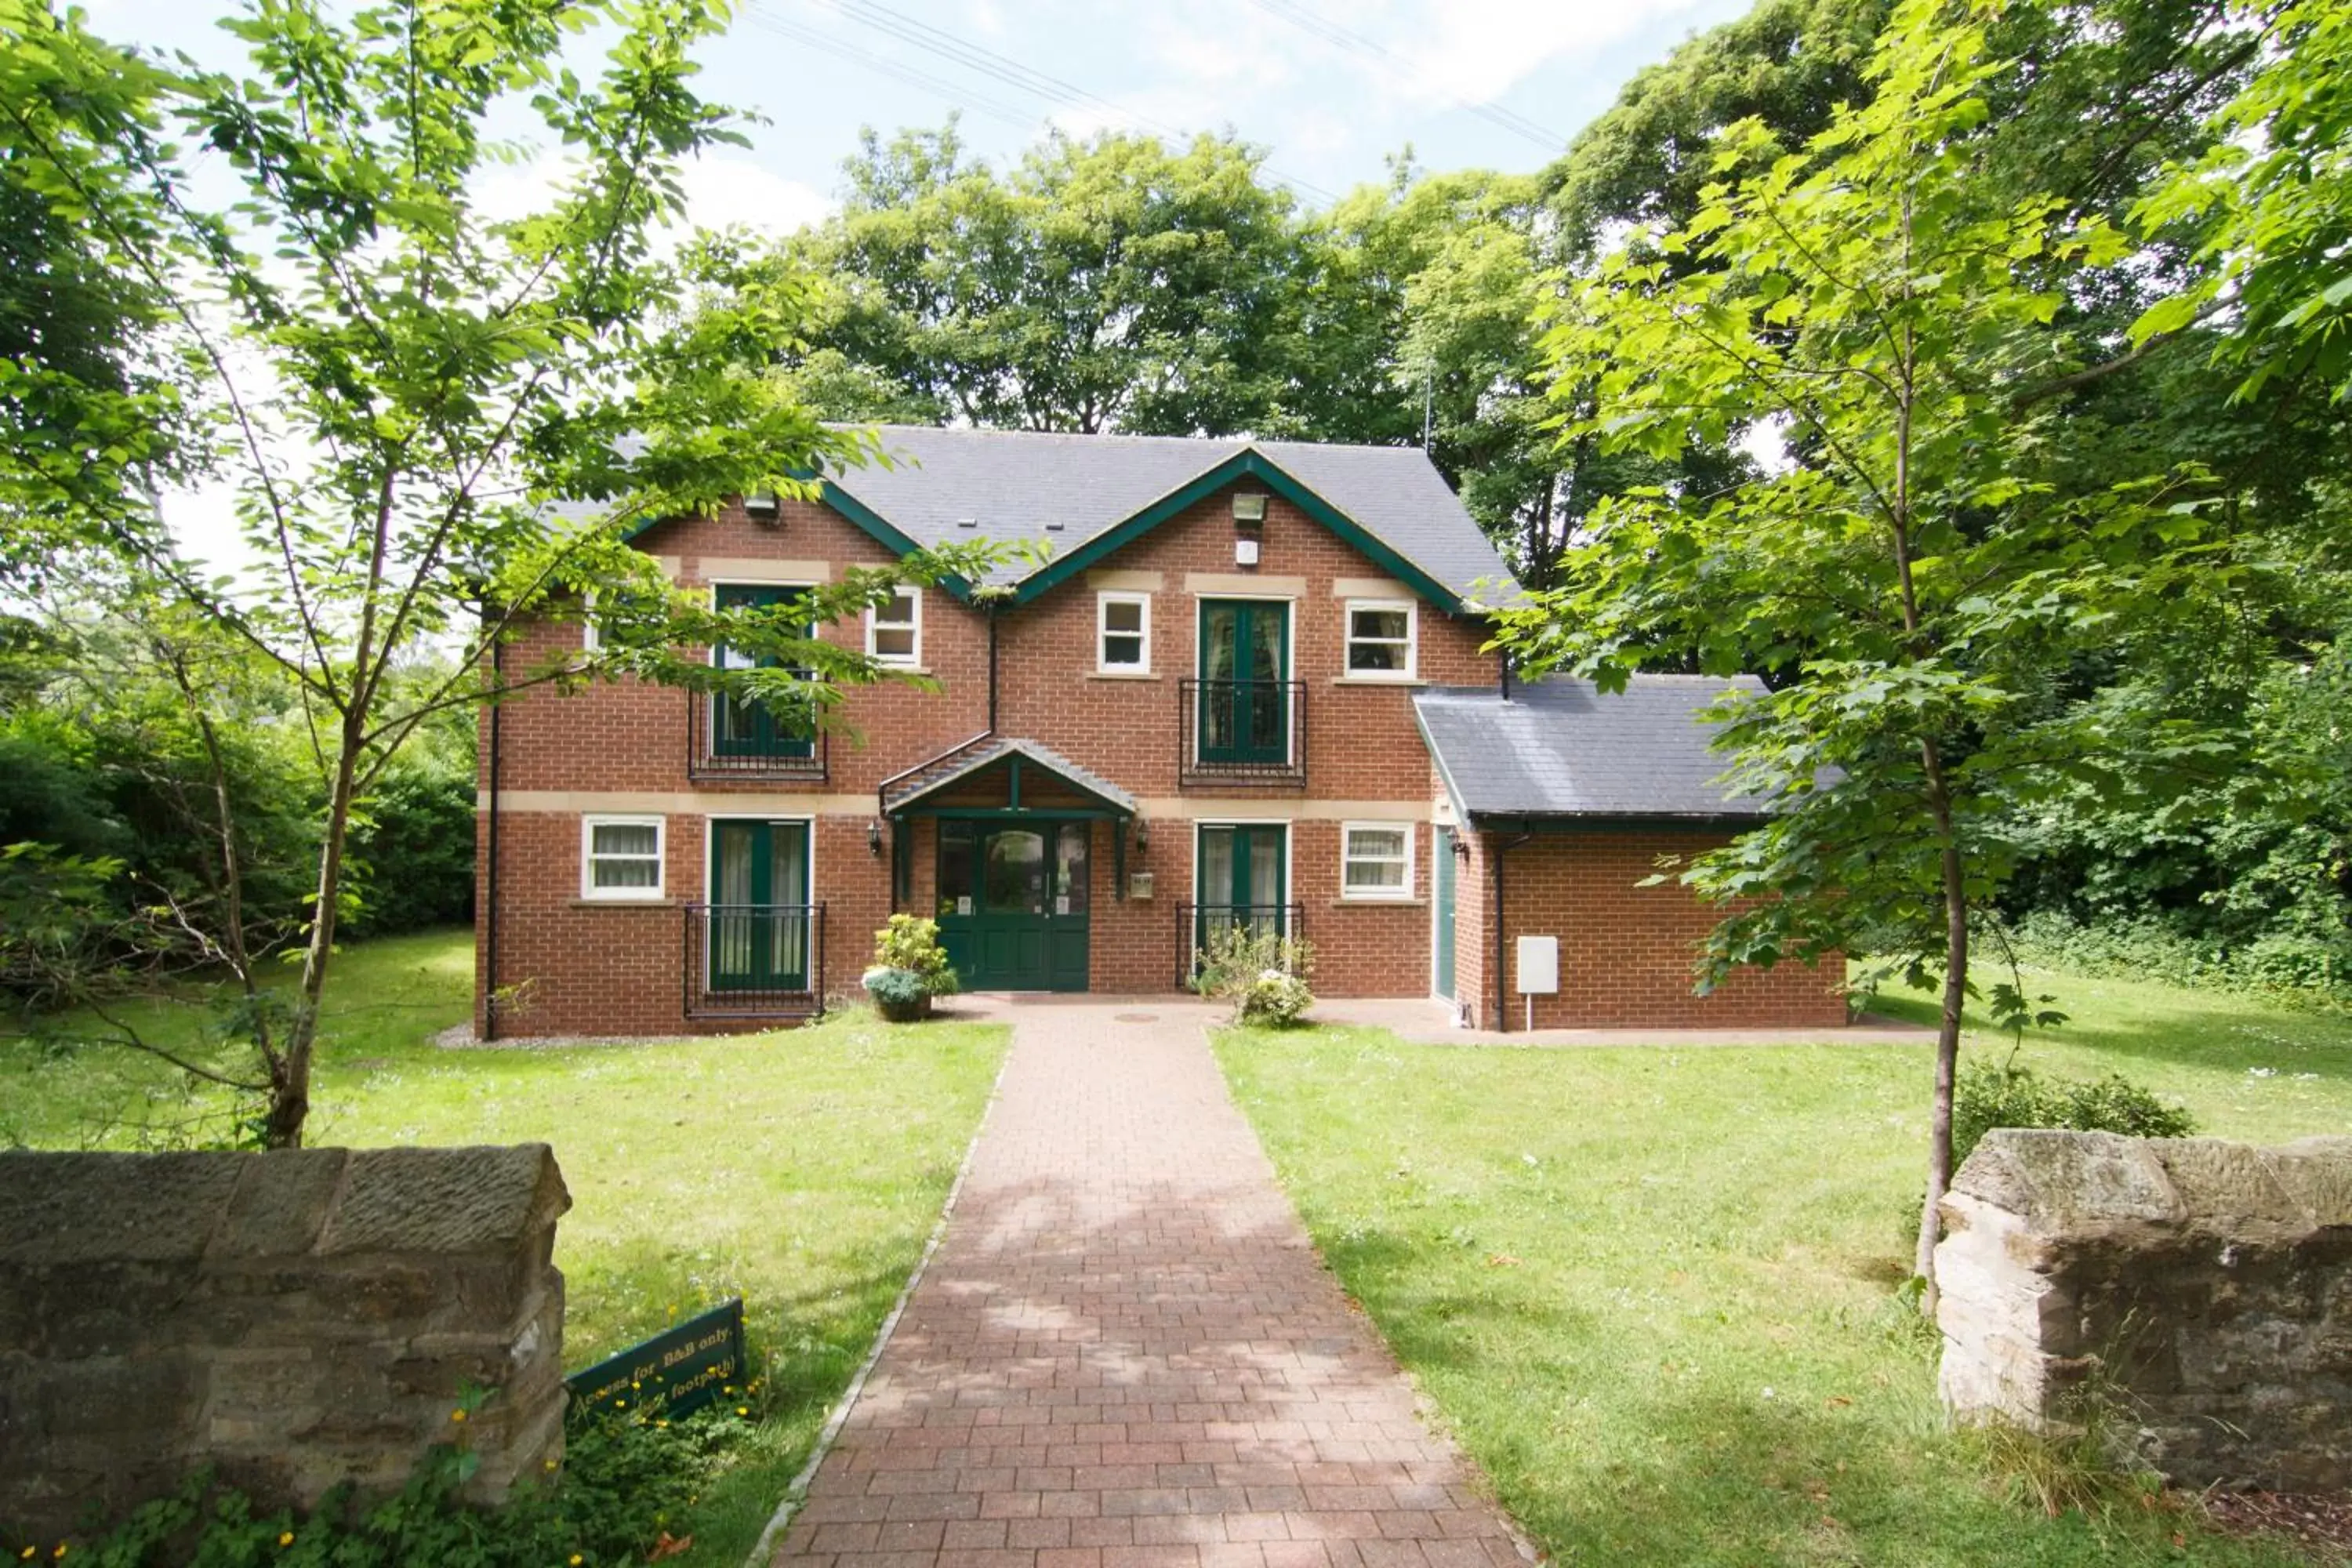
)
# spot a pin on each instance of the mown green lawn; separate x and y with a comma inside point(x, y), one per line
point(802, 1170)
point(1651, 1289)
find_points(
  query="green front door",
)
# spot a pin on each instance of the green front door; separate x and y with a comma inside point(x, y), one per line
point(1443, 933)
point(1014, 903)
point(760, 925)
point(1242, 881)
point(740, 726)
point(1244, 697)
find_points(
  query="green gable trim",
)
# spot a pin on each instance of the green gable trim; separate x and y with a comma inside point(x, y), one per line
point(883, 532)
point(1241, 465)
point(1249, 464)
point(872, 523)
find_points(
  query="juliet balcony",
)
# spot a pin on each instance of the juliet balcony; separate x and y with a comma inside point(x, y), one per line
point(737, 738)
point(1241, 732)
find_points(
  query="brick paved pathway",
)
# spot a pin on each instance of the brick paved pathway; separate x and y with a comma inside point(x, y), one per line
point(1125, 1354)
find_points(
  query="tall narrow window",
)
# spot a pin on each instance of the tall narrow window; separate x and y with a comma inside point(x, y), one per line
point(621, 858)
point(894, 632)
point(1124, 624)
point(1380, 640)
point(749, 727)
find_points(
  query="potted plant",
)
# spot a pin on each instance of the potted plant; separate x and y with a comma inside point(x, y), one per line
point(910, 967)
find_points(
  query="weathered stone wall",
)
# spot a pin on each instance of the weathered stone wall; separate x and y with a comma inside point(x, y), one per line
point(293, 1320)
point(2204, 1287)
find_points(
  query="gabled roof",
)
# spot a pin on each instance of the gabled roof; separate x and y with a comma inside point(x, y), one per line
point(1079, 498)
point(905, 789)
point(1560, 748)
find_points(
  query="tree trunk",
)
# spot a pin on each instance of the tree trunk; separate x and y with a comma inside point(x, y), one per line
point(1948, 1029)
point(289, 1079)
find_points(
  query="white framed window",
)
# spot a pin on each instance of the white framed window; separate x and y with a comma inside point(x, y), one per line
point(1376, 859)
point(894, 632)
point(1381, 639)
point(1123, 634)
point(620, 857)
point(590, 638)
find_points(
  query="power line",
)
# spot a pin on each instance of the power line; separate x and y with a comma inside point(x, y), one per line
point(1308, 21)
point(841, 48)
point(1010, 72)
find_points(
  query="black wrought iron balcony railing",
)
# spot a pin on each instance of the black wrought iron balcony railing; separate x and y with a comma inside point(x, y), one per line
point(1242, 733)
point(736, 738)
point(1201, 927)
point(754, 961)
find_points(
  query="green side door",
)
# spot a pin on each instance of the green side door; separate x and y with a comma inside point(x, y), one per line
point(760, 924)
point(1443, 935)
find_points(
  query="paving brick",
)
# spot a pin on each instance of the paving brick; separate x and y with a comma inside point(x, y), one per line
point(1125, 1354)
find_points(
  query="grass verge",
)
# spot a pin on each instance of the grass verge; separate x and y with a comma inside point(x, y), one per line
point(1651, 1288)
point(802, 1170)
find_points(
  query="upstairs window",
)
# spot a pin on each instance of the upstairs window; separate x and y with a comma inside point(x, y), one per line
point(1380, 639)
point(894, 632)
point(1123, 643)
point(621, 858)
point(1376, 860)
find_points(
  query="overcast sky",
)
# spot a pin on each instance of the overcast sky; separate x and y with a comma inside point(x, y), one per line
point(1330, 88)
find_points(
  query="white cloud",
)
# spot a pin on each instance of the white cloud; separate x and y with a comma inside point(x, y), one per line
point(719, 190)
point(1476, 50)
point(723, 191)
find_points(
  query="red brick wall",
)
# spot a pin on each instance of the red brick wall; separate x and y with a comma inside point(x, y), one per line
point(595, 968)
point(1626, 951)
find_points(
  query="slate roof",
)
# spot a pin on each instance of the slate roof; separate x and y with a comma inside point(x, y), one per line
point(1062, 490)
point(1560, 749)
point(957, 762)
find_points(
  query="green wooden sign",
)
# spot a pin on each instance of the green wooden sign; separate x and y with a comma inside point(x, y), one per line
point(676, 1373)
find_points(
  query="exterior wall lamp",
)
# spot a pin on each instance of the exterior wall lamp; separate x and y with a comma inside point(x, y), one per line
point(1249, 506)
point(874, 838)
point(1142, 835)
point(762, 506)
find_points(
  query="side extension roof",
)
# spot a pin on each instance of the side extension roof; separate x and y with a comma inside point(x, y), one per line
point(1562, 750)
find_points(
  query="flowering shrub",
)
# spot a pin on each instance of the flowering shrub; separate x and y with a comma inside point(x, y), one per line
point(1263, 974)
point(910, 943)
point(1273, 998)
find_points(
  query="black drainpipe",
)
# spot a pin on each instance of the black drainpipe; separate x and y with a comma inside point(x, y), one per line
point(490, 872)
point(1503, 661)
point(1502, 980)
point(992, 669)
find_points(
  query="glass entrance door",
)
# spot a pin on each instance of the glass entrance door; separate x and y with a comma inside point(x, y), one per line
point(1244, 693)
point(758, 906)
point(1014, 903)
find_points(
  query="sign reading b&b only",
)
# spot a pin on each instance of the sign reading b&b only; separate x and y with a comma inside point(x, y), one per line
point(675, 1372)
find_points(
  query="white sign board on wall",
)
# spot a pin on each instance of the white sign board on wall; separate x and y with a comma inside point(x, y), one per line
point(1538, 966)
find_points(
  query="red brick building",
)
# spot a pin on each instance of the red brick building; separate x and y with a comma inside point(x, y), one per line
point(1198, 708)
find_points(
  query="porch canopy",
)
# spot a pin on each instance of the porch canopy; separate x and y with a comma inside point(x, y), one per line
point(1006, 778)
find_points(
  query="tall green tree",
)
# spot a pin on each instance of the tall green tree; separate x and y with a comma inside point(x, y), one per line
point(1913, 591)
point(1105, 284)
point(90, 412)
point(2273, 194)
point(402, 390)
